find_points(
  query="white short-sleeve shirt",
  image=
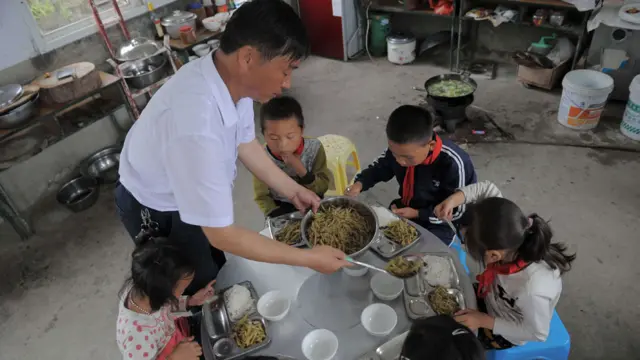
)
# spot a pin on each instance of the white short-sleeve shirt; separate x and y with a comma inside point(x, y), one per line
point(180, 155)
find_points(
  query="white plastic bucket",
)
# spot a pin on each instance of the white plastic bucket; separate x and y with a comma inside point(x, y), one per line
point(584, 96)
point(630, 125)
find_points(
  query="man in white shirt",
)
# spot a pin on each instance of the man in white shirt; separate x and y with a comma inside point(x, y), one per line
point(179, 158)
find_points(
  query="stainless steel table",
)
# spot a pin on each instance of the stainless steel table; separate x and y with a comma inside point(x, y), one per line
point(288, 333)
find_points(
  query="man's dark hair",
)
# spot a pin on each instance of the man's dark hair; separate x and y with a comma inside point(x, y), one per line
point(410, 124)
point(157, 265)
point(280, 108)
point(270, 26)
point(441, 337)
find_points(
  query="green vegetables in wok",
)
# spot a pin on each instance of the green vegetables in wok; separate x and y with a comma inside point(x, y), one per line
point(442, 302)
point(450, 88)
point(400, 232)
point(290, 233)
point(340, 227)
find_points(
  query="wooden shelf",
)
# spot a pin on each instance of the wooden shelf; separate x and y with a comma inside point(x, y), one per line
point(202, 35)
point(530, 3)
point(387, 6)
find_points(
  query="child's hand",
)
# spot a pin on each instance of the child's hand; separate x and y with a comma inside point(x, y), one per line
point(294, 162)
point(202, 295)
point(407, 212)
point(186, 350)
point(474, 319)
point(444, 210)
point(353, 190)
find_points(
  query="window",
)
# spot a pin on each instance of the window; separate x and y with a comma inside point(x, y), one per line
point(54, 15)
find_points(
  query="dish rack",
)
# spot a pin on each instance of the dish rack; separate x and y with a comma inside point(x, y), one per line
point(129, 93)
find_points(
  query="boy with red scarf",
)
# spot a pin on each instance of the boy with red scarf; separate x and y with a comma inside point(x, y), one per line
point(301, 158)
point(427, 168)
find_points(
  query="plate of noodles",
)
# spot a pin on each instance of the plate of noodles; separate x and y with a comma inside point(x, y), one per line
point(341, 222)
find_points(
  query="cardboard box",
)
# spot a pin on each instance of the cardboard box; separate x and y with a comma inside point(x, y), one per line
point(542, 78)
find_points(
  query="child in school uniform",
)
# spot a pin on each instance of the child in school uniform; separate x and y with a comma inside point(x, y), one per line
point(520, 287)
point(427, 168)
point(301, 158)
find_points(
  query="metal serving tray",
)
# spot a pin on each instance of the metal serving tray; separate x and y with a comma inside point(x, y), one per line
point(418, 306)
point(387, 351)
point(388, 248)
point(220, 327)
point(275, 224)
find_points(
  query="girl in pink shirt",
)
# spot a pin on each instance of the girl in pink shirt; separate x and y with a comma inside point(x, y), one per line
point(147, 327)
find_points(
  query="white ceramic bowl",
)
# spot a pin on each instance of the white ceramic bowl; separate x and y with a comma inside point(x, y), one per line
point(274, 306)
point(386, 287)
point(355, 270)
point(212, 24)
point(320, 344)
point(379, 319)
point(201, 49)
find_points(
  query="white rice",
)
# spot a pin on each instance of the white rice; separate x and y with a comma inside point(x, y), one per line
point(238, 302)
point(438, 271)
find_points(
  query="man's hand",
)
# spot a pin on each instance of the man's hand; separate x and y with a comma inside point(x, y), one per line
point(202, 295)
point(326, 259)
point(353, 190)
point(186, 350)
point(474, 319)
point(293, 161)
point(304, 199)
point(407, 212)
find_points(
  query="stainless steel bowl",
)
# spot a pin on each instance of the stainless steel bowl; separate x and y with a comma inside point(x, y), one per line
point(79, 194)
point(136, 49)
point(103, 165)
point(344, 201)
point(144, 72)
point(18, 116)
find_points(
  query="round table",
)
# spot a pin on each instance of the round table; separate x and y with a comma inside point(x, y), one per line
point(287, 334)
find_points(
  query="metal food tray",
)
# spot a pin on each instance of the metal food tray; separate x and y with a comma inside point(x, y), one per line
point(418, 306)
point(387, 351)
point(388, 248)
point(220, 327)
point(275, 224)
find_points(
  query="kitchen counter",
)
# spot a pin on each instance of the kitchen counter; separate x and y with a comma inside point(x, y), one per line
point(325, 301)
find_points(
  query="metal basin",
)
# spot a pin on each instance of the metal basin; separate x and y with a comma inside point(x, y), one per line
point(144, 72)
point(343, 201)
point(103, 165)
point(79, 194)
point(18, 116)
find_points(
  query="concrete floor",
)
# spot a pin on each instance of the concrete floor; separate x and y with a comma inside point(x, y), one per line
point(58, 294)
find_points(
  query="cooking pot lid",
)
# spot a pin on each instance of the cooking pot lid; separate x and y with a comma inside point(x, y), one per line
point(10, 94)
point(178, 17)
point(137, 48)
point(400, 38)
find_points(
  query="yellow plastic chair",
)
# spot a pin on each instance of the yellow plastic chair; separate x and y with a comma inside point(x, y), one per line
point(340, 153)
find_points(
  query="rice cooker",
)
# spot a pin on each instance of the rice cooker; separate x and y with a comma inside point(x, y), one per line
point(401, 49)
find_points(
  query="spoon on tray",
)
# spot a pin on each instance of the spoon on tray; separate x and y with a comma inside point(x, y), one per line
point(373, 267)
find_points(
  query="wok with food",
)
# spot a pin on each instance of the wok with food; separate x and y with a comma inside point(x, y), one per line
point(400, 232)
point(443, 302)
point(404, 267)
point(343, 223)
point(450, 86)
point(248, 332)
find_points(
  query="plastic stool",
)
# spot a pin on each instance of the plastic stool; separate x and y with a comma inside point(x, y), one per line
point(556, 347)
point(339, 151)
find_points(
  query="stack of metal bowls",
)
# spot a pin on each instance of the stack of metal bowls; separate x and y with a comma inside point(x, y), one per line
point(103, 165)
point(15, 116)
point(143, 62)
point(79, 194)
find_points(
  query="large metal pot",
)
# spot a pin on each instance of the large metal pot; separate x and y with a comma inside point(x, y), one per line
point(173, 22)
point(142, 73)
point(444, 77)
point(136, 49)
point(362, 208)
point(79, 194)
point(103, 165)
point(18, 116)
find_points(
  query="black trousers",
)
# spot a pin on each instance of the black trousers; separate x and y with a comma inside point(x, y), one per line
point(441, 231)
point(206, 259)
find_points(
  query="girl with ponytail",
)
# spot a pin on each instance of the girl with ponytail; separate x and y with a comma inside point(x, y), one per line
point(520, 287)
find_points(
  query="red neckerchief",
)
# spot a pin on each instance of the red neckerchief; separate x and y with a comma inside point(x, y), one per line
point(407, 184)
point(298, 151)
point(485, 280)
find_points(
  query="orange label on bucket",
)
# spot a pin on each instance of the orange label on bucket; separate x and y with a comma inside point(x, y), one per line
point(580, 117)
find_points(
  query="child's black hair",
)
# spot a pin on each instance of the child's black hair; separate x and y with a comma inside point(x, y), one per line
point(410, 124)
point(499, 224)
point(156, 267)
point(280, 108)
point(441, 337)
